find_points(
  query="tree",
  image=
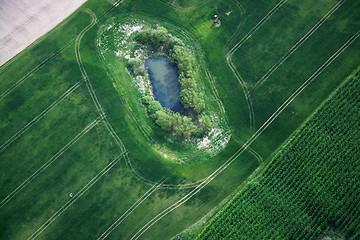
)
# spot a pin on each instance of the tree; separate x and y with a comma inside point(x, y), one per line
point(164, 120)
point(182, 58)
point(187, 127)
point(153, 107)
point(205, 125)
point(186, 82)
point(191, 99)
point(160, 37)
point(144, 36)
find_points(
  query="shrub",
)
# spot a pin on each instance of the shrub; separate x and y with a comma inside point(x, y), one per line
point(136, 67)
point(144, 36)
point(155, 37)
point(175, 41)
point(160, 37)
point(153, 107)
point(182, 57)
point(205, 123)
point(181, 126)
point(164, 120)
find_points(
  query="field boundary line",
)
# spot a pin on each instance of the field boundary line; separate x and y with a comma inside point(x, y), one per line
point(248, 142)
point(11, 88)
point(115, 4)
point(130, 210)
point(298, 44)
point(40, 115)
point(50, 161)
point(76, 196)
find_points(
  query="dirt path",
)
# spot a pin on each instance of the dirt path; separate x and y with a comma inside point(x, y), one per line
point(22, 22)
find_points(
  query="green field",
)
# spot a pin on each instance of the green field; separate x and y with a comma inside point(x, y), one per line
point(80, 156)
point(310, 189)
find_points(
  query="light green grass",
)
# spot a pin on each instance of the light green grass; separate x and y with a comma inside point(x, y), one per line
point(51, 190)
point(310, 187)
point(91, 214)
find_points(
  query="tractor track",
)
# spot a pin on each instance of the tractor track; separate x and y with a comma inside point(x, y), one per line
point(50, 161)
point(298, 44)
point(76, 196)
point(247, 143)
point(129, 211)
point(40, 115)
point(235, 71)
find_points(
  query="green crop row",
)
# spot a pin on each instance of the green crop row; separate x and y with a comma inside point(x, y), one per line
point(311, 187)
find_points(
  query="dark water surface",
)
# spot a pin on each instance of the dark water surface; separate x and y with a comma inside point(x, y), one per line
point(164, 79)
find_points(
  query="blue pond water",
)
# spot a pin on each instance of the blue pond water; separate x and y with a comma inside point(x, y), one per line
point(164, 79)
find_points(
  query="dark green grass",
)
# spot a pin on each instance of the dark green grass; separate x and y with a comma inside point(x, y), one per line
point(280, 32)
point(71, 172)
point(302, 106)
point(109, 198)
point(44, 139)
point(310, 185)
point(38, 92)
point(288, 77)
point(43, 48)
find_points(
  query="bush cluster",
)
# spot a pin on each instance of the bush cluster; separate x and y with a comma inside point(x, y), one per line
point(136, 67)
point(181, 126)
point(159, 40)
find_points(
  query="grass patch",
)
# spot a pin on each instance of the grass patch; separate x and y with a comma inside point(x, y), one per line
point(129, 128)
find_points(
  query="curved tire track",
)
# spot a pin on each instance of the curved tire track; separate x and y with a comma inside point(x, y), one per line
point(248, 142)
point(235, 71)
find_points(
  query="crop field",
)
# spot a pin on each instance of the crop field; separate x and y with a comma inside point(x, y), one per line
point(310, 189)
point(81, 159)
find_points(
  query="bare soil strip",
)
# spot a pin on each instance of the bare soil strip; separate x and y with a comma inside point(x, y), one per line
point(24, 21)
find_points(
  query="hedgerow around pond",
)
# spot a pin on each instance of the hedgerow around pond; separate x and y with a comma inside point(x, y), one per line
point(124, 56)
point(194, 122)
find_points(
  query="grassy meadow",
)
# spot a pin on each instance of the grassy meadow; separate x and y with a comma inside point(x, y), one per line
point(79, 156)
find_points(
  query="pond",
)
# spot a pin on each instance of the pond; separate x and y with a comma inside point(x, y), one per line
point(164, 79)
